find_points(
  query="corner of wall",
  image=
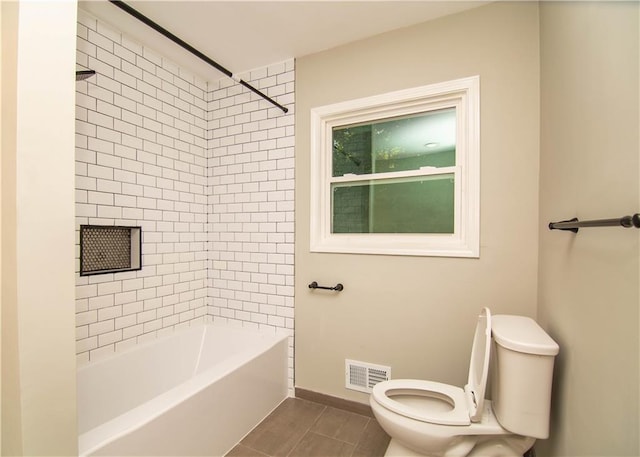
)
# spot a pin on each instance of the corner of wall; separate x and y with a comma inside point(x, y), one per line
point(11, 415)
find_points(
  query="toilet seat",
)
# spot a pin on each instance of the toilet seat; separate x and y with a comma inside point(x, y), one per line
point(466, 405)
point(455, 397)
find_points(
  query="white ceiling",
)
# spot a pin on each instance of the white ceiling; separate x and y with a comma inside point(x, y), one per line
point(246, 35)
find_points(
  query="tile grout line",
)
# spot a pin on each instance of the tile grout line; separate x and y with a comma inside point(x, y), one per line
point(362, 434)
point(324, 408)
point(353, 445)
point(343, 441)
point(249, 447)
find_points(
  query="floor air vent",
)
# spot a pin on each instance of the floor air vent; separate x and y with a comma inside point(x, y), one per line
point(363, 376)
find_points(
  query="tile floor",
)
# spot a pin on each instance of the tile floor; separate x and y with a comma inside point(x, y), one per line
point(302, 428)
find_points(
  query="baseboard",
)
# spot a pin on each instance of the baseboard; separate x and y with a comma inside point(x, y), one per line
point(335, 402)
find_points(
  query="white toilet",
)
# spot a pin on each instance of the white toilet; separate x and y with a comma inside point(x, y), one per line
point(426, 418)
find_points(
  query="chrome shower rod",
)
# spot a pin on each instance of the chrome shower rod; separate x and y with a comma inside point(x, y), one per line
point(158, 28)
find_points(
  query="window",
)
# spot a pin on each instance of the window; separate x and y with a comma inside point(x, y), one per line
point(398, 173)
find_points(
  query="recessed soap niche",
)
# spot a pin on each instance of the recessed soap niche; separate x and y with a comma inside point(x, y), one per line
point(109, 249)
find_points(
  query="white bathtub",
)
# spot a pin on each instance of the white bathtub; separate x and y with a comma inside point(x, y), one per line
point(196, 392)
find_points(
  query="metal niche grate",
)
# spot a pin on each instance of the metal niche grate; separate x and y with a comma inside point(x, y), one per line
point(109, 249)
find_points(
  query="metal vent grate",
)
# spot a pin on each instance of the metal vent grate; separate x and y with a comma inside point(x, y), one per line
point(376, 376)
point(363, 376)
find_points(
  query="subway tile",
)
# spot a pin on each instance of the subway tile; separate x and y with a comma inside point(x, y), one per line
point(124, 53)
point(132, 331)
point(86, 344)
point(86, 210)
point(152, 56)
point(125, 297)
point(86, 20)
point(96, 171)
point(86, 291)
point(100, 93)
point(130, 93)
point(98, 328)
point(153, 303)
point(146, 316)
point(86, 317)
point(125, 344)
point(86, 183)
point(179, 129)
point(100, 40)
point(82, 332)
point(144, 63)
point(109, 212)
point(108, 32)
point(99, 145)
point(129, 67)
point(106, 76)
point(132, 308)
point(108, 160)
point(131, 117)
point(123, 128)
point(109, 313)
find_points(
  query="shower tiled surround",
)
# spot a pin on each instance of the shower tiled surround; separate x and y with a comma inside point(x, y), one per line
point(206, 169)
point(251, 205)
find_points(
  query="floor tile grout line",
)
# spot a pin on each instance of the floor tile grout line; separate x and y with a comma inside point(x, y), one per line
point(355, 446)
point(366, 425)
point(305, 433)
point(343, 441)
point(253, 449)
point(324, 408)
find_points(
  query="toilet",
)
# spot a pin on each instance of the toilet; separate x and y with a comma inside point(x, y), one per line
point(427, 418)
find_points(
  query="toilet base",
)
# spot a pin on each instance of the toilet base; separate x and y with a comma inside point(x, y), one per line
point(395, 449)
point(492, 447)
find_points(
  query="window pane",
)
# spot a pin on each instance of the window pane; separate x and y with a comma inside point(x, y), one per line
point(407, 205)
point(400, 144)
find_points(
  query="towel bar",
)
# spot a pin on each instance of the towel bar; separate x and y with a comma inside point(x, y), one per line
point(574, 224)
point(338, 287)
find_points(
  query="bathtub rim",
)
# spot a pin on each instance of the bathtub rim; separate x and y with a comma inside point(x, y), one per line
point(137, 417)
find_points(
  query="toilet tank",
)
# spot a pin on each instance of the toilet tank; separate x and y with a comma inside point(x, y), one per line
point(522, 371)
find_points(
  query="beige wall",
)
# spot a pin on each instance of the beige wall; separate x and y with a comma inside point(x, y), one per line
point(589, 163)
point(417, 314)
point(588, 293)
point(10, 401)
point(38, 352)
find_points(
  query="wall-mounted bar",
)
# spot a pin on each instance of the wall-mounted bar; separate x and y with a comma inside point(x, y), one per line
point(158, 28)
point(574, 224)
point(338, 287)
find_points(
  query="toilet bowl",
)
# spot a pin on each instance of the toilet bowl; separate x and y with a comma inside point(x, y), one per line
point(434, 419)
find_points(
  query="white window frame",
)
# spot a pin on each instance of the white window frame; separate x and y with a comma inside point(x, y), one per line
point(464, 95)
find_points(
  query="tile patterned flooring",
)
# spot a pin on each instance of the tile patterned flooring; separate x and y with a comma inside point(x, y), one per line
point(302, 428)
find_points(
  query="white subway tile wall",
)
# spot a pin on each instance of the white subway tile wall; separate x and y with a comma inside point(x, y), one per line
point(206, 169)
point(251, 202)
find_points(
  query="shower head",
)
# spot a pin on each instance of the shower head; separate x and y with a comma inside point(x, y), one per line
point(84, 74)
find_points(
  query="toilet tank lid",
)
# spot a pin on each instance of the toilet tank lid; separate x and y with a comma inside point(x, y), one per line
point(522, 334)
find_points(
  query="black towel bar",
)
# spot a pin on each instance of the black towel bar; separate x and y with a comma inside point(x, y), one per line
point(338, 287)
point(574, 224)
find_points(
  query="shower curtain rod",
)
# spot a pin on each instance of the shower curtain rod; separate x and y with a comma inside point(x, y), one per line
point(573, 224)
point(142, 18)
